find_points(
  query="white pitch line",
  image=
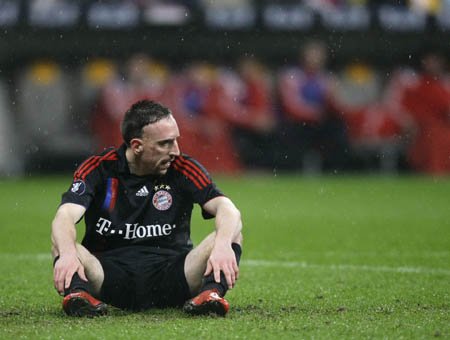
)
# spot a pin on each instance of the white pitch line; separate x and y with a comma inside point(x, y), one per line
point(26, 256)
point(280, 264)
point(306, 265)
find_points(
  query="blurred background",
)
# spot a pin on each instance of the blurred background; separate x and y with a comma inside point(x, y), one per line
point(312, 86)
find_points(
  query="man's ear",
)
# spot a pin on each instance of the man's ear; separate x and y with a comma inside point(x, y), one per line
point(137, 146)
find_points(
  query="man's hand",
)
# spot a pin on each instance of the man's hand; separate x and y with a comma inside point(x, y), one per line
point(64, 238)
point(64, 269)
point(223, 259)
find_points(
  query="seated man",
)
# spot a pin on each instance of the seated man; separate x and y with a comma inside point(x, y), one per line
point(137, 201)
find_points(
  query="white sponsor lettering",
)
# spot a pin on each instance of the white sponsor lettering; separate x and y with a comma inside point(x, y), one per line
point(103, 225)
point(154, 230)
point(130, 233)
point(166, 229)
point(140, 231)
point(133, 231)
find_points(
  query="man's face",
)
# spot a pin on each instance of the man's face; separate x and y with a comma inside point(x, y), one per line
point(159, 145)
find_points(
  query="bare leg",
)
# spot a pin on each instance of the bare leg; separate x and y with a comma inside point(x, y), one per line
point(195, 263)
point(92, 268)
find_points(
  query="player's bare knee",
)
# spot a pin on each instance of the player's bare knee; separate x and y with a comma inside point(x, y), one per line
point(82, 253)
point(208, 244)
point(89, 261)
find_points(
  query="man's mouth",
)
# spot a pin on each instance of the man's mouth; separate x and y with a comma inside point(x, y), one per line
point(166, 165)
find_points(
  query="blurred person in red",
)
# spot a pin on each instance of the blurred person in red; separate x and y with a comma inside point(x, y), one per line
point(312, 133)
point(427, 100)
point(243, 100)
point(194, 96)
point(143, 78)
point(374, 123)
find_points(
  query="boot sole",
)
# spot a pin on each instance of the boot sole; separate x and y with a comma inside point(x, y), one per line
point(210, 307)
point(80, 307)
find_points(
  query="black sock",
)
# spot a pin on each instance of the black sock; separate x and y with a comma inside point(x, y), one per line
point(222, 287)
point(76, 284)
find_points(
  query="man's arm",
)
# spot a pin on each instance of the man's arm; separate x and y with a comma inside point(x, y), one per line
point(228, 229)
point(64, 244)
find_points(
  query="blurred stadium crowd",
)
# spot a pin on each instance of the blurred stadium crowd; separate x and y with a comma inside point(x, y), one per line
point(230, 14)
point(301, 117)
point(245, 114)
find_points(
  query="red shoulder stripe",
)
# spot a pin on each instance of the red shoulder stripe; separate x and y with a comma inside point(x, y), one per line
point(202, 174)
point(84, 165)
point(190, 170)
point(109, 156)
point(183, 171)
point(88, 171)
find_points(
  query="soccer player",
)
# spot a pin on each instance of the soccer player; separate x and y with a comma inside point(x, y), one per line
point(137, 202)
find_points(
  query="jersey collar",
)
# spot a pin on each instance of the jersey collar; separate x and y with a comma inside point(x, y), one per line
point(123, 164)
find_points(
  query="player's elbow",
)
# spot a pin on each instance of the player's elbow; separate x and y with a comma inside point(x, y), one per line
point(57, 222)
point(65, 219)
point(238, 218)
point(238, 238)
point(62, 215)
point(233, 211)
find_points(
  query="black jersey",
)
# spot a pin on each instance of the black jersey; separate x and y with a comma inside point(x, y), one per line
point(124, 209)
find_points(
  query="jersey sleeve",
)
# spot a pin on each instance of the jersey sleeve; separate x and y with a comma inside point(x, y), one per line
point(84, 185)
point(197, 181)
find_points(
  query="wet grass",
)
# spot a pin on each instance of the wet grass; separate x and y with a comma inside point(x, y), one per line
point(324, 257)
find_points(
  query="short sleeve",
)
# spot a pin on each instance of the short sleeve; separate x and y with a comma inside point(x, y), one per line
point(83, 188)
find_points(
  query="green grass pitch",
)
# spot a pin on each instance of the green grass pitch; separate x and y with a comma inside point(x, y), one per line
point(324, 258)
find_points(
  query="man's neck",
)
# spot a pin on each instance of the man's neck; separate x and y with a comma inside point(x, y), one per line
point(133, 163)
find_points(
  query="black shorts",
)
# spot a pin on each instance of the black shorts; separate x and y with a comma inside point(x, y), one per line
point(138, 278)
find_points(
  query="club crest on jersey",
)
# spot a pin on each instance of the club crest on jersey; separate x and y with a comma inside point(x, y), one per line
point(78, 187)
point(162, 200)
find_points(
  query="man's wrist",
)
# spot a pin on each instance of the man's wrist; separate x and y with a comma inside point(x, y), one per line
point(68, 253)
point(223, 242)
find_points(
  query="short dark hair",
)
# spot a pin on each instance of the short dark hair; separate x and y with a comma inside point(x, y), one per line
point(140, 114)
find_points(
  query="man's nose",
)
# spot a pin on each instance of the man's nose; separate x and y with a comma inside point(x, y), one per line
point(175, 151)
